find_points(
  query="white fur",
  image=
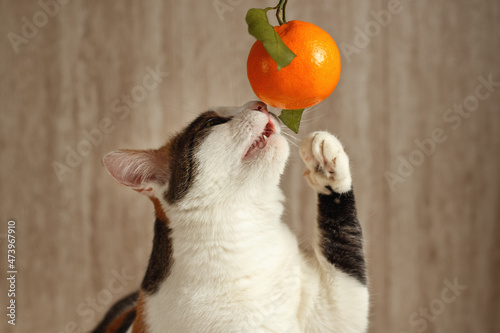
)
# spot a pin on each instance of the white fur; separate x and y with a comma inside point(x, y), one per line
point(267, 283)
point(327, 163)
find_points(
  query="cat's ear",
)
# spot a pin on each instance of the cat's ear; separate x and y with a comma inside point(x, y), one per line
point(140, 170)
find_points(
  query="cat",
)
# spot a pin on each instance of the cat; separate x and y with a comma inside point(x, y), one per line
point(222, 259)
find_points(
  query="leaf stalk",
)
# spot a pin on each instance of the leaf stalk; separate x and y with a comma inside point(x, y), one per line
point(280, 12)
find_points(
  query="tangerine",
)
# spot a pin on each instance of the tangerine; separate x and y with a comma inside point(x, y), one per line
point(311, 76)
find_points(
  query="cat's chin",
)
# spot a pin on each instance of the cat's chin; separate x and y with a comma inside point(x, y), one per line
point(268, 162)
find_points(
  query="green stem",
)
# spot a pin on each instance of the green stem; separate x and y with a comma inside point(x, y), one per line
point(280, 12)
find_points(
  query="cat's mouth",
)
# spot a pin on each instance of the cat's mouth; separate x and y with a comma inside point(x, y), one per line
point(263, 138)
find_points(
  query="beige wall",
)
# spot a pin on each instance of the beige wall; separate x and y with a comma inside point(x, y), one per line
point(74, 236)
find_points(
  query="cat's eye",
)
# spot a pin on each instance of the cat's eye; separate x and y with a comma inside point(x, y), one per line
point(214, 122)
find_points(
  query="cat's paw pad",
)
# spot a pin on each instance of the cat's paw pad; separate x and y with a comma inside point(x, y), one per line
point(327, 163)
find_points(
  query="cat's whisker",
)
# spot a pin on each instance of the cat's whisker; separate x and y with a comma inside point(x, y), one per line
point(287, 134)
point(288, 138)
point(291, 136)
point(314, 118)
point(293, 144)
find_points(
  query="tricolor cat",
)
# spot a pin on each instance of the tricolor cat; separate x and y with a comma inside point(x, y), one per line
point(222, 259)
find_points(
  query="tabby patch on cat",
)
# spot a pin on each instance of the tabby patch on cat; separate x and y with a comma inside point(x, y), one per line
point(222, 258)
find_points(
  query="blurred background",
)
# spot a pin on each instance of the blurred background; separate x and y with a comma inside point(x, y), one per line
point(417, 107)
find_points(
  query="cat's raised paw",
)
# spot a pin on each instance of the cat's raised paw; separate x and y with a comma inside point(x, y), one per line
point(327, 163)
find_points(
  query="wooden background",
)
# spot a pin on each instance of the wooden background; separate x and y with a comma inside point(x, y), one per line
point(77, 234)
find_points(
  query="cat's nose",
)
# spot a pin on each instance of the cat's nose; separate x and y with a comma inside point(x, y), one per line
point(259, 106)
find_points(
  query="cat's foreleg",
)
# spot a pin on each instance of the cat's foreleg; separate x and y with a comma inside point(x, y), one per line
point(338, 240)
point(339, 236)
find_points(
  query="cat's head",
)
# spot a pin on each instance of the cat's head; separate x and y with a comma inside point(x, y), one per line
point(226, 153)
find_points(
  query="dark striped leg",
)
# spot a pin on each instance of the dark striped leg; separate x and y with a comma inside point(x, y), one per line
point(341, 238)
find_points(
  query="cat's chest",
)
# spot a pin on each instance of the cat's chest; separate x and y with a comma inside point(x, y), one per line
point(231, 293)
point(246, 304)
point(239, 275)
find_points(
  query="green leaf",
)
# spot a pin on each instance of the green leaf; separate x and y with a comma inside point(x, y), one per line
point(259, 27)
point(291, 118)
